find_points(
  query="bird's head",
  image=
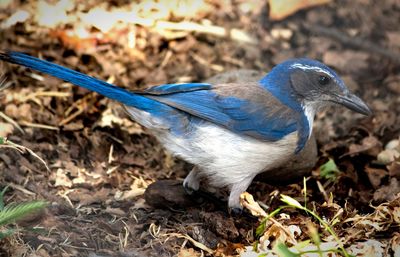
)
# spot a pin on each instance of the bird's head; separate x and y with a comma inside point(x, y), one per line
point(305, 83)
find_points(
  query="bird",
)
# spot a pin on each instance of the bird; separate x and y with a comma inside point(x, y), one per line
point(230, 132)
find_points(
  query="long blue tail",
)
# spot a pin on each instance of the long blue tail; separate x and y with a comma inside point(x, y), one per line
point(119, 94)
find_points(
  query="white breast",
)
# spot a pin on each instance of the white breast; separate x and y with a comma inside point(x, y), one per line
point(310, 108)
point(223, 156)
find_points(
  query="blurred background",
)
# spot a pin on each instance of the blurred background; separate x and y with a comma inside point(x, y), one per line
point(101, 162)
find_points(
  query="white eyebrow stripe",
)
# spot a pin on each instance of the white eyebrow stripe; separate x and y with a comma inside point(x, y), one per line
point(308, 67)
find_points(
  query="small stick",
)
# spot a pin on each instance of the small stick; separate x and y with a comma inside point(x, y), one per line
point(353, 42)
point(12, 122)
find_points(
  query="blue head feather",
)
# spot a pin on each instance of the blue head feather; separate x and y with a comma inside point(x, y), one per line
point(277, 81)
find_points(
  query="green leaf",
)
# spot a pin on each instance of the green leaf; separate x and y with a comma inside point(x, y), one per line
point(13, 212)
point(283, 250)
point(291, 201)
point(2, 197)
point(329, 170)
point(261, 228)
point(255, 246)
point(300, 245)
point(7, 233)
point(314, 234)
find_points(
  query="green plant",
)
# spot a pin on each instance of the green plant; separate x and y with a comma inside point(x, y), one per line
point(298, 250)
point(14, 211)
point(329, 170)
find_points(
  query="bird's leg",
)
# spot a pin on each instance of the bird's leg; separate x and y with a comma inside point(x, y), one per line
point(236, 190)
point(192, 181)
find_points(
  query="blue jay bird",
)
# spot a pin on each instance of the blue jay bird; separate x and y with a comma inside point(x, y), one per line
point(230, 132)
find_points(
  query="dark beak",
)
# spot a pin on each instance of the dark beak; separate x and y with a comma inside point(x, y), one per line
point(354, 103)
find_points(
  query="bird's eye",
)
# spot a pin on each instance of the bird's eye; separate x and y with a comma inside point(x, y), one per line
point(323, 80)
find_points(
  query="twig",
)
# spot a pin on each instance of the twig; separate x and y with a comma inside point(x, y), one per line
point(234, 34)
point(353, 42)
point(4, 85)
point(80, 105)
point(4, 142)
point(71, 117)
point(37, 125)
point(12, 122)
point(204, 62)
point(48, 93)
point(22, 189)
point(194, 242)
point(188, 26)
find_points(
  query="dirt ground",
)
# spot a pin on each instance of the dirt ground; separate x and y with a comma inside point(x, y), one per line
point(101, 162)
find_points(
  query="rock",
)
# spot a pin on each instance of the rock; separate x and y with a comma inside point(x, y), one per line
point(168, 194)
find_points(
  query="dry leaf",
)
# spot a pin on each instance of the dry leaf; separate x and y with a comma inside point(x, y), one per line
point(396, 214)
point(370, 144)
point(62, 179)
point(375, 176)
point(100, 196)
point(49, 15)
point(248, 202)
point(19, 16)
point(387, 156)
point(367, 248)
point(387, 192)
point(190, 252)
point(128, 194)
point(395, 244)
point(393, 83)
point(393, 39)
point(6, 129)
point(394, 169)
point(76, 39)
point(280, 9)
point(20, 112)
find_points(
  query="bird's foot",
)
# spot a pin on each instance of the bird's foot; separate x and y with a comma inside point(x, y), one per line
point(188, 189)
point(236, 211)
point(191, 182)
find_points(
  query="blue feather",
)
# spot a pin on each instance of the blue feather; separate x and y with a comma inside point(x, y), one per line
point(176, 88)
point(257, 114)
point(113, 92)
point(303, 132)
point(260, 120)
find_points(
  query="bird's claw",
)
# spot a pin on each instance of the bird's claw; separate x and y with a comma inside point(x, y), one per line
point(188, 189)
point(236, 211)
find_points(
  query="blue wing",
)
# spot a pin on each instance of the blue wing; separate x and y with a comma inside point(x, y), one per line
point(176, 88)
point(245, 109)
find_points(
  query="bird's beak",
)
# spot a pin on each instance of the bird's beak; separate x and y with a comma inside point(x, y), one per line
point(354, 103)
